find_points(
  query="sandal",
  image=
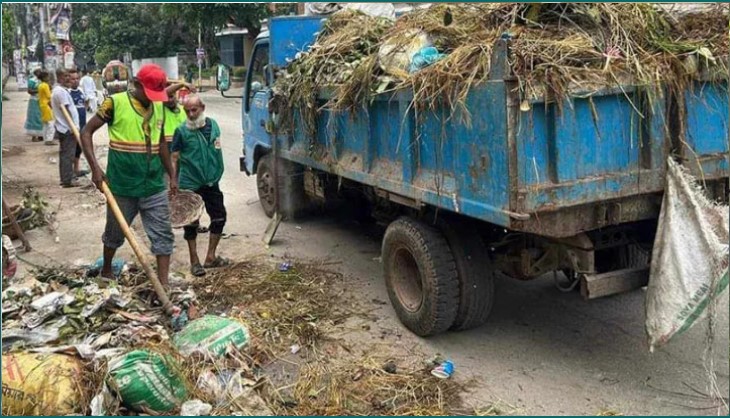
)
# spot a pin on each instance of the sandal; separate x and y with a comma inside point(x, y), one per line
point(197, 270)
point(218, 262)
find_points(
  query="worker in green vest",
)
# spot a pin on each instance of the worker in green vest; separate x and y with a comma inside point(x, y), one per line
point(174, 113)
point(198, 160)
point(136, 165)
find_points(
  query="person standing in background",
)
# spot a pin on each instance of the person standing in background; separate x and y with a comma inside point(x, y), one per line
point(33, 122)
point(64, 134)
point(81, 102)
point(44, 102)
point(88, 86)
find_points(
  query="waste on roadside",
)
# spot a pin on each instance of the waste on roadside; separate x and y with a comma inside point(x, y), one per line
point(40, 384)
point(195, 408)
point(147, 381)
point(444, 371)
point(125, 357)
point(211, 337)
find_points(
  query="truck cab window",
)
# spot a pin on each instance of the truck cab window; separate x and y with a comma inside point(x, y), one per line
point(256, 77)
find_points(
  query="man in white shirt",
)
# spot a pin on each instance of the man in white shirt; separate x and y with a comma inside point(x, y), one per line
point(88, 86)
point(61, 98)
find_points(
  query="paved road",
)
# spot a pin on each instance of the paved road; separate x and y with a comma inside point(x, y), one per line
point(543, 351)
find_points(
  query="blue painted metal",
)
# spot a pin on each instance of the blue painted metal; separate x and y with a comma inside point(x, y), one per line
point(499, 163)
point(290, 35)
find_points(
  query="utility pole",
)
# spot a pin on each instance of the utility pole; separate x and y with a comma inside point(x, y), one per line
point(200, 59)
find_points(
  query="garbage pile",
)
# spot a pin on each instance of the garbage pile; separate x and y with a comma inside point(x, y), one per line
point(78, 344)
point(555, 49)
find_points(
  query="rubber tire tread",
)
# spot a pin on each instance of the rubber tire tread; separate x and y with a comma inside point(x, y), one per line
point(476, 274)
point(440, 283)
point(288, 172)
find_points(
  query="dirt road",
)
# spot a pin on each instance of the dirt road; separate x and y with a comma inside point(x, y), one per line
point(543, 352)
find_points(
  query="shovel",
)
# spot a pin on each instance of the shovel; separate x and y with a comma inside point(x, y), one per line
point(159, 290)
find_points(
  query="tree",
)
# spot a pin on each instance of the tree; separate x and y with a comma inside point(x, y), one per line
point(115, 28)
point(8, 45)
point(8, 28)
point(210, 17)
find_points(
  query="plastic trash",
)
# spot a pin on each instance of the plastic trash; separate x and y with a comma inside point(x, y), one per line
point(285, 266)
point(195, 408)
point(395, 58)
point(10, 264)
point(211, 336)
point(40, 384)
point(444, 371)
point(147, 381)
point(99, 404)
point(424, 58)
point(118, 266)
point(225, 385)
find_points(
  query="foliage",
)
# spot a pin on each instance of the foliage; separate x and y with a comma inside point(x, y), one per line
point(215, 15)
point(115, 28)
point(239, 72)
point(154, 30)
point(8, 32)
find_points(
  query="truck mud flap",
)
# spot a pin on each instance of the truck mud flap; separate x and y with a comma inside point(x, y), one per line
point(593, 286)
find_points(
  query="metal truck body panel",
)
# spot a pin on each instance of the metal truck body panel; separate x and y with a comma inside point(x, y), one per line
point(553, 170)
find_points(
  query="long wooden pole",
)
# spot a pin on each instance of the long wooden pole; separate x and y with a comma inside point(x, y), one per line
point(112, 202)
point(16, 226)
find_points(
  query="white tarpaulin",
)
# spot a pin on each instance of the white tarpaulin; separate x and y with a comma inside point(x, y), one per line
point(386, 10)
point(689, 264)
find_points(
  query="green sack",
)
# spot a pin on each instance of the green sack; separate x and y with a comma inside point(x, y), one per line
point(147, 381)
point(211, 336)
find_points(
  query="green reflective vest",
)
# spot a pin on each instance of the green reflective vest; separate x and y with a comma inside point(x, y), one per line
point(172, 121)
point(134, 168)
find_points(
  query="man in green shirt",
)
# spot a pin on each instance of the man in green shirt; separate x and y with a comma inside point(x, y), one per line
point(136, 165)
point(197, 156)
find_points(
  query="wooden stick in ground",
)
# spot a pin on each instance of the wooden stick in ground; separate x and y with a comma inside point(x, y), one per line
point(16, 226)
point(112, 202)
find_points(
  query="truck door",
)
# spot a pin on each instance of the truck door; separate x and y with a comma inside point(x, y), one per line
point(256, 103)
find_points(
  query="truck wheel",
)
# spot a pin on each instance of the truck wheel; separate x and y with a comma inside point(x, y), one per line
point(476, 275)
point(420, 275)
point(265, 184)
point(290, 186)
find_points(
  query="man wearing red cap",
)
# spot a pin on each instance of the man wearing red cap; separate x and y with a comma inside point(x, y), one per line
point(136, 165)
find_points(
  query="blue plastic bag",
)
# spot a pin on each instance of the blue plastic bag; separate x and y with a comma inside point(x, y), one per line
point(424, 58)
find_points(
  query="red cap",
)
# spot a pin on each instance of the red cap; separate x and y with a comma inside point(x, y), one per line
point(154, 81)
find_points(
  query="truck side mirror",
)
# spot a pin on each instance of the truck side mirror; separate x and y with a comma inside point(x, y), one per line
point(223, 78)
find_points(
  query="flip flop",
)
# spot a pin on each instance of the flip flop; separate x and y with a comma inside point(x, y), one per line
point(218, 262)
point(197, 270)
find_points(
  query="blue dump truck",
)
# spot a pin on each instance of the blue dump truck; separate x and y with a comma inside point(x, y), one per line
point(572, 190)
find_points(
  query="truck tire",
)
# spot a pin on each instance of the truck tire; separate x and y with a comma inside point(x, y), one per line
point(290, 186)
point(421, 277)
point(476, 275)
